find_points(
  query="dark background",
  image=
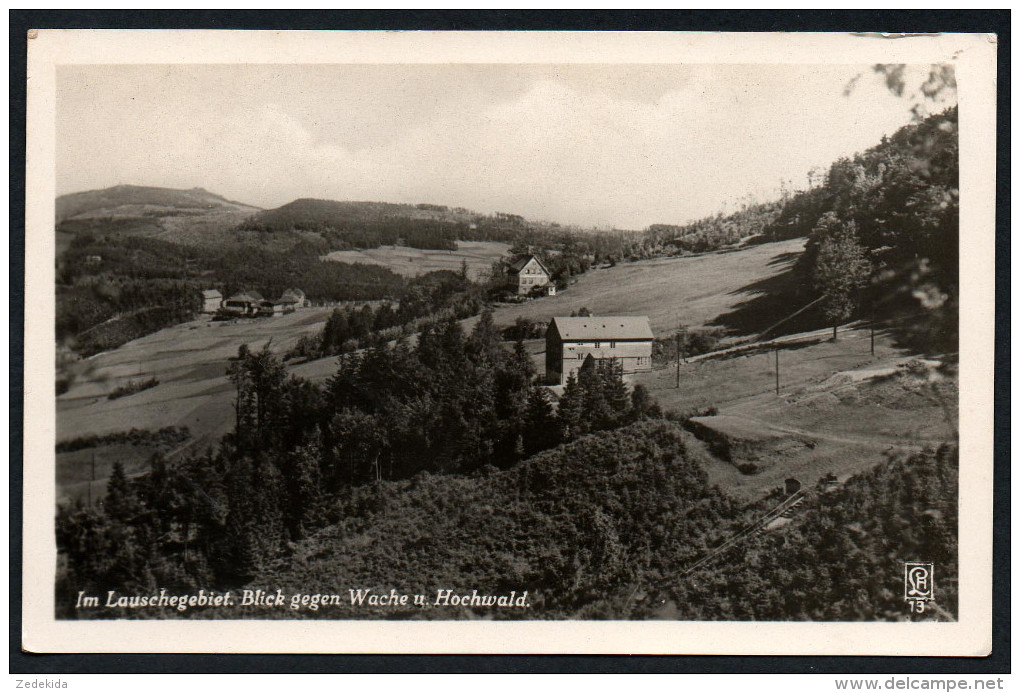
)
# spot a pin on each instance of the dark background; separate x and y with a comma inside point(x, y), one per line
point(910, 21)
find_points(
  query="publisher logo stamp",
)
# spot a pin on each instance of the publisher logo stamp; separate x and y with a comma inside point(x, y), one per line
point(918, 584)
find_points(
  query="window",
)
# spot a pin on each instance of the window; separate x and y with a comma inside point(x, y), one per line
point(598, 344)
point(612, 344)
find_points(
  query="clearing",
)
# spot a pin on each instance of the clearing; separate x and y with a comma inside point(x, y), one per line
point(411, 262)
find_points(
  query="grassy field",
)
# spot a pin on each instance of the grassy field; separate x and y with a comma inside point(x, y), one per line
point(190, 361)
point(410, 262)
point(839, 409)
point(694, 290)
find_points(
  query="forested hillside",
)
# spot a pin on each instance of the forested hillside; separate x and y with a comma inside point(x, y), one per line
point(114, 288)
point(345, 225)
point(601, 527)
point(842, 559)
point(883, 234)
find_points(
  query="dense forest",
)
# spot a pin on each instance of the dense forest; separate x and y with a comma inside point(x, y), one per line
point(842, 559)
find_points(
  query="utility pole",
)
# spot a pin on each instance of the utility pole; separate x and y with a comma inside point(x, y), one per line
point(777, 369)
point(872, 335)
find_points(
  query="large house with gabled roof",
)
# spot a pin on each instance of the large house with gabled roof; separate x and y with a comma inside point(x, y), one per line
point(573, 343)
point(527, 273)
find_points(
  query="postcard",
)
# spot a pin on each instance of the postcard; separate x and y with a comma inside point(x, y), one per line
point(509, 342)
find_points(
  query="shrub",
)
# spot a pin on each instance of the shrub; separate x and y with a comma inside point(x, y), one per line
point(132, 387)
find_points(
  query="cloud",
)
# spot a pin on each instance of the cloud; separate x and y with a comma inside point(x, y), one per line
point(574, 144)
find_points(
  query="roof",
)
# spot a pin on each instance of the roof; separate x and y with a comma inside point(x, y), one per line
point(296, 294)
point(518, 264)
point(211, 293)
point(249, 297)
point(604, 327)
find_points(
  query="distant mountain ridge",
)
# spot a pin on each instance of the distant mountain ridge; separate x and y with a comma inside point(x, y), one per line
point(140, 199)
point(314, 213)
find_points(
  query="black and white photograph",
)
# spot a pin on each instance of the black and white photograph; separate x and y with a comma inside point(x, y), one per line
point(671, 341)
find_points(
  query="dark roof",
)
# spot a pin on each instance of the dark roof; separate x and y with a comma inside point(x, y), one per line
point(250, 297)
point(604, 327)
point(518, 264)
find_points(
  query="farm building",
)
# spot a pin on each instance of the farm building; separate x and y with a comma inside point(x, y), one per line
point(242, 304)
point(292, 299)
point(528, 273)
point(211, 300)
point(269, 309)
point(570, 343)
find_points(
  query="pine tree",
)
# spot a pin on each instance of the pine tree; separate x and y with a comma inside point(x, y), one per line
point(484, 343)
point(540, 430)
point(121, 503)
point(570, 413)
point(303, 480)
point(617, 397)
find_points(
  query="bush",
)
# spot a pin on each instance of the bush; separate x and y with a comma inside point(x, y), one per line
point(132, 387)
point(168, 437)
point(694, 342)
point(525, 328)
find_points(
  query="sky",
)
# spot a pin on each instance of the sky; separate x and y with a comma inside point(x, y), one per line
point(592, 145)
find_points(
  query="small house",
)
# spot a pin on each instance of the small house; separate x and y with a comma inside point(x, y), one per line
point(527, 273)
point(292, 299)
point(242, 304)
point(268, 309)
point(571, 343)
point(211, 300)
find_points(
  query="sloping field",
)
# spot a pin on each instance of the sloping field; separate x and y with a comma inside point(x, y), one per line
point(410, 262)
point(839, 409)
point(190, 361)
point(693, 290)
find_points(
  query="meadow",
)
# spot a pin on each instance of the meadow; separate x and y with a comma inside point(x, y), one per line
point(410, 262)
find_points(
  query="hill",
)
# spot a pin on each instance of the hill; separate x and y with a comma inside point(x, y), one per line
point(194, 216)
point(128, 200)
point(346, 225)
point(603, 529)
point(315, 213)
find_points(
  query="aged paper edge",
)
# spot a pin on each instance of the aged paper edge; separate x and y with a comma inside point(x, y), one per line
point(974, 57)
